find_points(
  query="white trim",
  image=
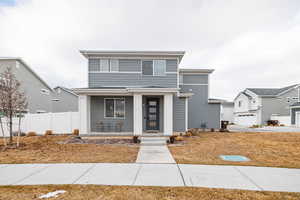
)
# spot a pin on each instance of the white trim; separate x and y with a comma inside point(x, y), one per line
point(137, 114)
point(133, 57)
point(186, 114)
point(171, 72)
point(84, 114)
point(295, 107)
point(114, 117)
point(194, 84)
point(297, 116)
point(114, 72)
point(168, 114)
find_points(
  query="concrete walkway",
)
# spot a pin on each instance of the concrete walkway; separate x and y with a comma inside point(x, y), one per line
point(212, 176)
point(154, 150)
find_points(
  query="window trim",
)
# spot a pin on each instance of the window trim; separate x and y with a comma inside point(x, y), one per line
point(165, 74)
point(109, 66)
point(114, 117)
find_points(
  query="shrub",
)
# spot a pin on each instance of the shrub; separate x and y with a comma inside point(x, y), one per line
point(179, 138)
point(31, 133)
point(48, 132)
point(255, 126)
point(282, 125)
point(188, 134)
point(75, 132)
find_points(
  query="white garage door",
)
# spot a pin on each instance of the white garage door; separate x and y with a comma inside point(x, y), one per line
point(298, 119)
point(246, 120)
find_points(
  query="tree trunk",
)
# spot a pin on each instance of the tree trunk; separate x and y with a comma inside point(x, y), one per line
point(10, 129)
point(2, 129)
point(19, 131)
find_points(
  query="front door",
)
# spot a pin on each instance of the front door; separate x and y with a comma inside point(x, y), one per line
point(152, 114)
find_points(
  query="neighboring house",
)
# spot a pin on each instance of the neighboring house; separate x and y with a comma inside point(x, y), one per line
point(295, 113)
point(64, 100)
point(132, 92)
point(255, 106)
point(38, 92)
point(227, 111)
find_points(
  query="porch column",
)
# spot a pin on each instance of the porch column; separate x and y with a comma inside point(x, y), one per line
point(137, 114)
point(84, 114)
point(168, 114)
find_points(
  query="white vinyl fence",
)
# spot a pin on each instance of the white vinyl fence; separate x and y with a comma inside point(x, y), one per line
point(286, 120)
point(59, 123)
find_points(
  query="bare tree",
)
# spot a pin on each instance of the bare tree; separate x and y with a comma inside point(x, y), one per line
point(12, 100)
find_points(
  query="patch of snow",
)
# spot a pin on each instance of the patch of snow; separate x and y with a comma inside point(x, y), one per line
point(52, 194)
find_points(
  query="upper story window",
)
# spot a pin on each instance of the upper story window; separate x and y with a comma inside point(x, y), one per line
point(106, 65)
point(240, 103)
point(154, 67)
point(180, 79)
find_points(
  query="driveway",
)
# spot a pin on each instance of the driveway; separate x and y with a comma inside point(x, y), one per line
point(212, 176)
point(239, 128)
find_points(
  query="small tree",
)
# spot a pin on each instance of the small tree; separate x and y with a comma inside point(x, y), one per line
point(12, 100)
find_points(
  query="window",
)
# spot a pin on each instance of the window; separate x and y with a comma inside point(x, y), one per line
point(240, 103)
point(109, 65)
point(114, 108)
point(147, 67)
point(288, 99)
point(180, 79)
point(104, 65)
point(154, 67)
point(45, 91)
point(159, 67)
point(114, 65)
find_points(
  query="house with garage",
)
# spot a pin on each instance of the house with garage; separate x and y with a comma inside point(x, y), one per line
point(37, 91)
point(140, 92)
point(255, 106)
point(64, 100)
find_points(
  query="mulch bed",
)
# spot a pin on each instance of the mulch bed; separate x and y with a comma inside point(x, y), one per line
point(116, 141)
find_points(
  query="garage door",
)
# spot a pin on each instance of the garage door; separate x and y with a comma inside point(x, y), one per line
point(246, 120)
point(298, 119)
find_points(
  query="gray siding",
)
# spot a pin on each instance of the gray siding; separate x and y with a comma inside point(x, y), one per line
point(31, 85)
point(67, 102)
point(131, 80)
point(278, 105)
point(199, 111)
point(98, 79)
point(293, 115)
point(195, 79)
point(97, 114)
point(179, 114)
point(129, 65)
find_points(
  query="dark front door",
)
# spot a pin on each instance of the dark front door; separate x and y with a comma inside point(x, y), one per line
point(152, 114)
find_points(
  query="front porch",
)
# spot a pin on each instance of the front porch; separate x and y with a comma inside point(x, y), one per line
point(136, 112)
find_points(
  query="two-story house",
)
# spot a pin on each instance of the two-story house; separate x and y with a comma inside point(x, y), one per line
point(255, 106)
point(134, 92)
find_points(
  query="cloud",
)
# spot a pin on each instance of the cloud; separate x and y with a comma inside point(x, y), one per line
point(249, 43)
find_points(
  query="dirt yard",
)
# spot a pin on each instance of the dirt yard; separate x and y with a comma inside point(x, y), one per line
point(91, 192)
point(62, 149)
point(264, 149)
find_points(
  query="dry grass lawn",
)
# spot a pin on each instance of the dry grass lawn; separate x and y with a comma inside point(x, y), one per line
point(91, 192)
point(45, 149)
point(264, 149)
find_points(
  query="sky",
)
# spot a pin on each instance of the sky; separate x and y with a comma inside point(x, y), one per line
point(249, 43)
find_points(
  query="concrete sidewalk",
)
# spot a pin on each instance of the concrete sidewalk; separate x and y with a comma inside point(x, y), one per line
point(154, 150)
point(212, 176)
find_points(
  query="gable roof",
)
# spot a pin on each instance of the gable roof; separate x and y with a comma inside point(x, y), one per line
point(271, 91)
point(105, 53)
point(28, 68)
point(66, 89)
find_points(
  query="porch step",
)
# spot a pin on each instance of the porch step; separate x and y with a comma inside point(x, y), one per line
point(153, 141)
